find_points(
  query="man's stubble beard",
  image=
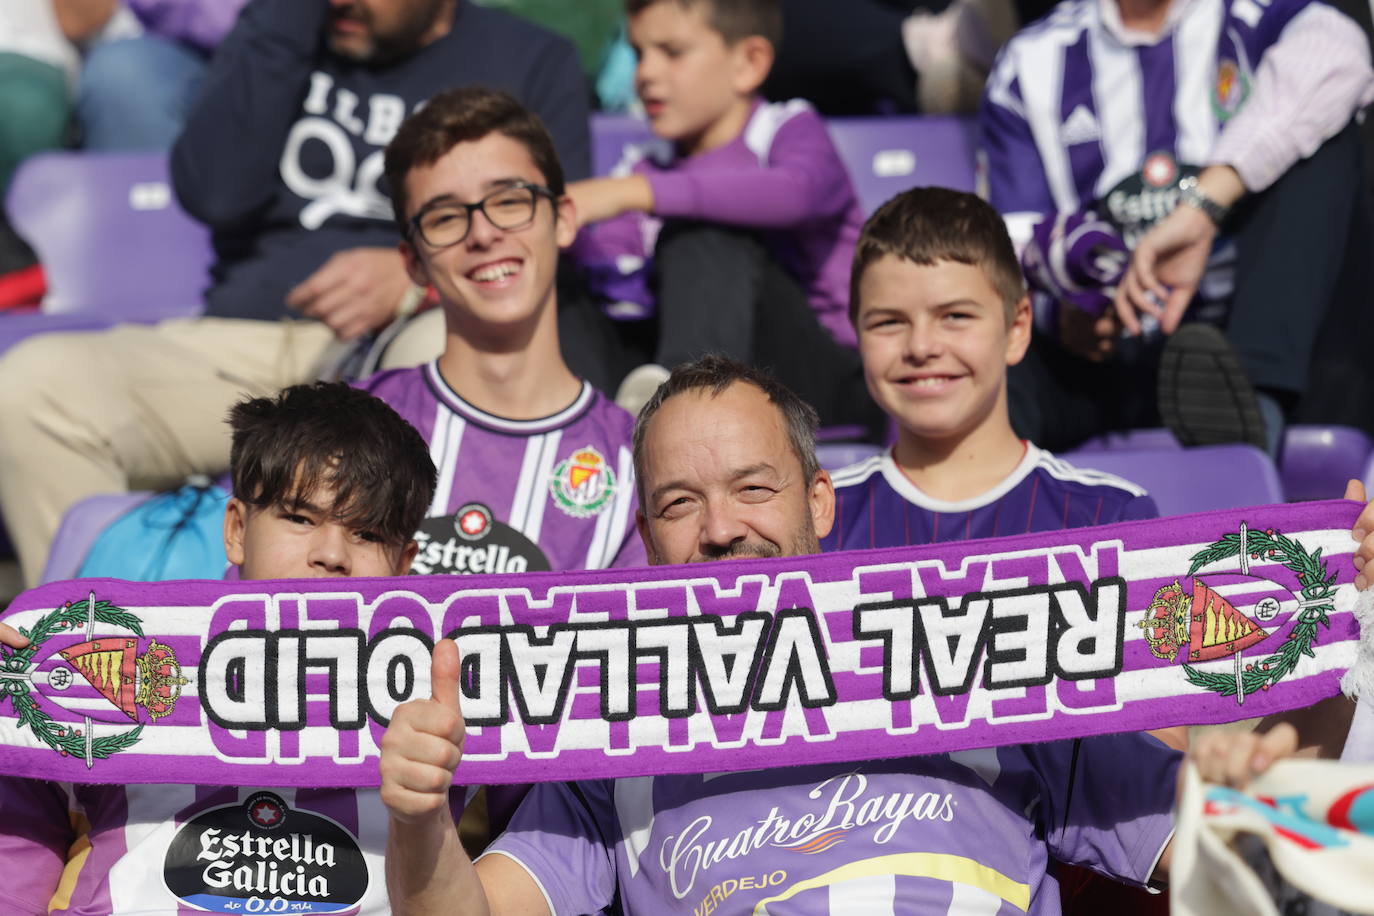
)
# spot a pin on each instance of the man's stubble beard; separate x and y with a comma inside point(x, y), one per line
point(802, 543)
point(406, 39)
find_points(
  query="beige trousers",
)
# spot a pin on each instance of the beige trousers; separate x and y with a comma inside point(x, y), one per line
point(134, 407)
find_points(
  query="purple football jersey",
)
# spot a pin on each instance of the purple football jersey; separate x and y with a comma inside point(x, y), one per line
point(519, 495)
point(876, 505)
point(964, 833)
point(1083, 113)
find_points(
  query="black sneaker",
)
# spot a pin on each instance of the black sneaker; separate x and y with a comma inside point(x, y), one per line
point(1204, 395)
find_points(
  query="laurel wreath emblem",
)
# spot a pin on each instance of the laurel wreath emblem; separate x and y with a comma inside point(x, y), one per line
point(1317, 591)
point(62, 737)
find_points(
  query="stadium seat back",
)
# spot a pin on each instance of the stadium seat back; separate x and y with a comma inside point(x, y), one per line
point(1185, 480)
point(887, 155)
point(1318, 461)
point(611, 133)
point(80, 527)
point(113, 241)
point(836, 455)
point(1131, 439)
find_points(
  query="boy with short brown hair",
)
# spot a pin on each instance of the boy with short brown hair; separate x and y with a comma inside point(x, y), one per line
point(941, 313)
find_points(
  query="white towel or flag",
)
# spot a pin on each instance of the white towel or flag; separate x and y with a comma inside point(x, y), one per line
point(1298, 839)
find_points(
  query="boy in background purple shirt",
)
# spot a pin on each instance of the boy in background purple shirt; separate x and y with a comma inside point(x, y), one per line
point(736, 225)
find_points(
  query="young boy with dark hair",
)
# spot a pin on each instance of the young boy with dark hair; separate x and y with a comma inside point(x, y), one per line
point(324, 477)
point(329, 481)
point(534, 464)
point(735, 226)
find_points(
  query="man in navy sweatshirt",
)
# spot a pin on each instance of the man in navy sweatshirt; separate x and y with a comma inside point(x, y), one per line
point(282, 158)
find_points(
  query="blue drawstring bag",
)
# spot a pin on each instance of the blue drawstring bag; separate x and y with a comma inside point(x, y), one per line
point(178, 534)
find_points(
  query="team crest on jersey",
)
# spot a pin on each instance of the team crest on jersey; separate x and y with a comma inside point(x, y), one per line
point(583, 484)
point(1226, 613)
point(263, 856)
point(95, 687)
point(1231, 91)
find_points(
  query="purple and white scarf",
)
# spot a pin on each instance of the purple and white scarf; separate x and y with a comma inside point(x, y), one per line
point(732, 665)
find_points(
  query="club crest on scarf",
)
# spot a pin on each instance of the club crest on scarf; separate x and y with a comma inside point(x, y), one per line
point(1207, 621)
point(90, 685)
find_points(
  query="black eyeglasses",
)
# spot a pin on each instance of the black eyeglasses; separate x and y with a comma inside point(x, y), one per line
point(446, 223)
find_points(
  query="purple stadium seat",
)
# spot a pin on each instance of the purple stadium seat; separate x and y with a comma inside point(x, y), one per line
point(1131, 439)
point(836, 455)
point(1315, 464)
point(611, 133)
point(885, 156)
point(114, 244)
point(1318, 461)
point(80, 527)
point(1184, 480)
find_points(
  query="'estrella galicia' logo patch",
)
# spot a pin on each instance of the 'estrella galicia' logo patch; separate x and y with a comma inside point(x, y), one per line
point(263, 854)
point(1146, 197)
point(472, 541)
point(583, 484)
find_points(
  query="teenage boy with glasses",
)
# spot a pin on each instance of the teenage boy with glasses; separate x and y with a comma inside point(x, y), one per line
point(535, 469)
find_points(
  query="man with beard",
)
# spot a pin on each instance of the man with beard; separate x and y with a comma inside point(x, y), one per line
point(726, 466)
point(282, 158)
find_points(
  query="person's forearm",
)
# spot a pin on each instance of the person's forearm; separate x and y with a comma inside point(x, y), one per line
point(1222, 184)
point(429, 873)
point(1322, 728)
point(1306, 88)
point(80, 20)
point(601, 199)
point(250, 97)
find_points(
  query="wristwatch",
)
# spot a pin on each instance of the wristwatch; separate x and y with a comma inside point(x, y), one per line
point(1189, 193)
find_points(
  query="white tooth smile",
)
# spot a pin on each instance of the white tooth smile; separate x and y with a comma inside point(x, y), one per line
point(493, 272)
point(929, 382)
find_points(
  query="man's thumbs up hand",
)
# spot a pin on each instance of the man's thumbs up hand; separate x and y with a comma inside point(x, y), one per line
point(424, 743)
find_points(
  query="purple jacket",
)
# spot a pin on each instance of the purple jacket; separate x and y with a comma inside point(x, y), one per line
point(202, 23)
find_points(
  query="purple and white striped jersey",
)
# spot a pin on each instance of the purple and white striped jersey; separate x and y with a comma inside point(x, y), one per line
point(1082, 114)
point(150, 850)
point(519, 495)
point(876, 505)
point(964, 833)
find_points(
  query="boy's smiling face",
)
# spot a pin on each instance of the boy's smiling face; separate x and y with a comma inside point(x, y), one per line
point(305, 541)
point(697, 90)
point(936, 345)
point(494, 278)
